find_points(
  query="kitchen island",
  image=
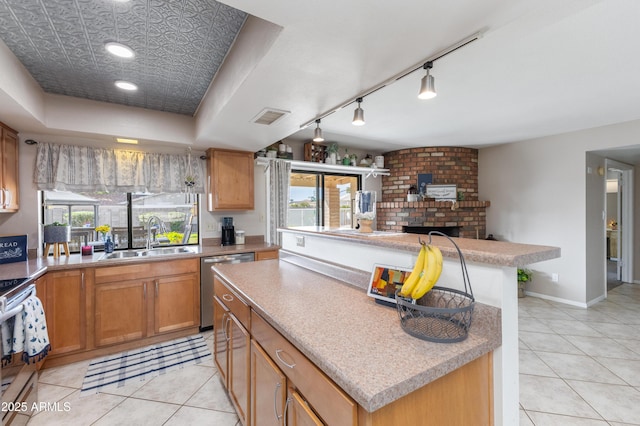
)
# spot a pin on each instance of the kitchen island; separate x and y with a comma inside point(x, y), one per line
point(492, 268)
point(361, 346)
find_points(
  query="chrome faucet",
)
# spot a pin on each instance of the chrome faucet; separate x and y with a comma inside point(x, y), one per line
point(162, 229)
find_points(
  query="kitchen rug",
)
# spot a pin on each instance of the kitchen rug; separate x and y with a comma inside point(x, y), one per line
point(115, 371)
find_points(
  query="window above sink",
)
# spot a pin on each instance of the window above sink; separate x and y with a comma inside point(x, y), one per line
point(127, 215)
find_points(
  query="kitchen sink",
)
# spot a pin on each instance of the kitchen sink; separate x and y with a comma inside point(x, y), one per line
point(120, 255)
point(163, 251)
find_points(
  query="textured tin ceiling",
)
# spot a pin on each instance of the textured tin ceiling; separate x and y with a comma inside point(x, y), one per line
point(179, 46)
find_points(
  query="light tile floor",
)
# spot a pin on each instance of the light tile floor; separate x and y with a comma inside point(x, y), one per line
point(577, 367)
point(191, 396)
point(580, 366)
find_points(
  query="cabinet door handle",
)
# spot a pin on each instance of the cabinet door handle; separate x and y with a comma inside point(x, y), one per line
point(144, 290)
point(223, 325)
point(2, 197)
point(227, 297)
point(275, 402)
point(278, 351)
point(156, 281)
point(82, 281)
point(286, 411)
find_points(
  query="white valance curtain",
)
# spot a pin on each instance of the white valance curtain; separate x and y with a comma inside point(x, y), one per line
point(86, 169)
point(278, 199)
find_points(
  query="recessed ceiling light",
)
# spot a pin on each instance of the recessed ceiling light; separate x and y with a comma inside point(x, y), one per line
point(126, 85)
point(129, 141)
point(120, 50)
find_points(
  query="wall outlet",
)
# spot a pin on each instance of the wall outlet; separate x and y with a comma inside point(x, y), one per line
point(300, 241)
point(554, 277)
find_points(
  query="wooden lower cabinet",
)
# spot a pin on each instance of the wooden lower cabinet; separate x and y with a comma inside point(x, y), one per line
point(121, 312)
point(299, 413)
point(239, 353)
point(136, 301)
point(232, 347)
point(265, 255)
point(266, 380)
point(176, 302)
point(65, 310)
point(462, 397)
point(220, 341)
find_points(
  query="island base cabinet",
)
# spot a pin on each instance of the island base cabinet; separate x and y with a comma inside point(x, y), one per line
point(220, 341)
point(266, 380)
point(298, 411)
point(462, 397)
point(232, 347)
point(239, 356)
point(332, 405)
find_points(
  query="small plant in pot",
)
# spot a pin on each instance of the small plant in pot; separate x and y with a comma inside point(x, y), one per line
point(524, 276)
point(57, 232)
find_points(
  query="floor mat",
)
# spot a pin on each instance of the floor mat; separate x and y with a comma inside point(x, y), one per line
point(115, 371)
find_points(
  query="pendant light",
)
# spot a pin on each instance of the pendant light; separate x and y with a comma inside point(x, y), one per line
point(427, 85)
point(358, 114)
point(317, 133)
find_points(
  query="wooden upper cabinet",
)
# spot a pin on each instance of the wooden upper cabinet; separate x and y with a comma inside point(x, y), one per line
point(9, 190)
point(230, 180)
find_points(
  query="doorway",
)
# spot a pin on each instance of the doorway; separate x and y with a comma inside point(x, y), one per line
point(618, 223)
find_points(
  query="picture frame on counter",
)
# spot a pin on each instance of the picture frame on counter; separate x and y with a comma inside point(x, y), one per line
point(385, 281)
point(13, 248)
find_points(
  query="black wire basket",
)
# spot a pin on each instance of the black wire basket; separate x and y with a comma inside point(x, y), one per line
point(442, 315)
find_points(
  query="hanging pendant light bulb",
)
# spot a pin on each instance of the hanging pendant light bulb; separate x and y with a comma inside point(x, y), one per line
point(358, 114)
point(317, 133)
point(427, 85)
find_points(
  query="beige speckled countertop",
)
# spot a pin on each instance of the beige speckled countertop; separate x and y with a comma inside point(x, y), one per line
point(35, 267)
point(484, 251)
point(358, 343)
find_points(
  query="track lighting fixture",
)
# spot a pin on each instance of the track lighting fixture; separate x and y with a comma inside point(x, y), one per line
point(358, 114)
point(317, 133)
point(427, 85)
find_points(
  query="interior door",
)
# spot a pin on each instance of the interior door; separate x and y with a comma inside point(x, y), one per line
point(619, 218)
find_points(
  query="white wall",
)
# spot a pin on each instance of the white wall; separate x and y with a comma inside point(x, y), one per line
point(541, 193)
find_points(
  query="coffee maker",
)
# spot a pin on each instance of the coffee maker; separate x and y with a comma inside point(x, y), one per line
point(228, 233)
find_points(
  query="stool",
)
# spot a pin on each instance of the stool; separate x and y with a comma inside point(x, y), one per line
point(56, 249)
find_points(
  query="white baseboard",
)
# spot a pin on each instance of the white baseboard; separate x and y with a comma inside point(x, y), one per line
point(560, 300)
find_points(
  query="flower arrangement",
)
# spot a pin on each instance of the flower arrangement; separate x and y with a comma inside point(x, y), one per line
point(103, 229)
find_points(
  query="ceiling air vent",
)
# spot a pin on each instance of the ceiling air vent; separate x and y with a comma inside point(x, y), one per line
point(269, 116)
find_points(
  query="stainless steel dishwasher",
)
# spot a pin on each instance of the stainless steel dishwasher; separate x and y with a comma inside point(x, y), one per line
point(206, 283)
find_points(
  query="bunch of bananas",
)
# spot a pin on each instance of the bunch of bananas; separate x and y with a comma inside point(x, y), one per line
point(425, 273)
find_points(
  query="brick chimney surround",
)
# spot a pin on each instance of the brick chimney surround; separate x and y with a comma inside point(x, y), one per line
point(447, 165)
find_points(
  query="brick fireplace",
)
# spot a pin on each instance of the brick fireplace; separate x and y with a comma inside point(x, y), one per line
point(447, 165)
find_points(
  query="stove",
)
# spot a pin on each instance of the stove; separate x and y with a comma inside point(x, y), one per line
point(19, 390)
point(10, 289)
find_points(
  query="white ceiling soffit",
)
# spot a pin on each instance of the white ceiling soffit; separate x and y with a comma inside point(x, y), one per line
point(542, 67)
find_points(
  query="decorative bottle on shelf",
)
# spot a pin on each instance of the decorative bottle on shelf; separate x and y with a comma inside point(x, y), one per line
point(108, 245)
